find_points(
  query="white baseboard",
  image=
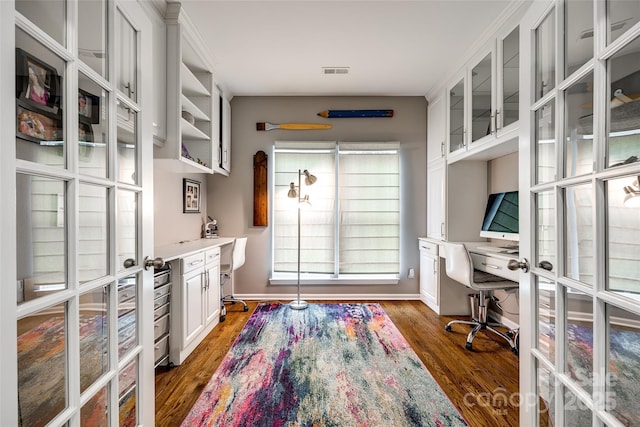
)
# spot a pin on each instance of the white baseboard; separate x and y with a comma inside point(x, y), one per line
point(341, 297)
point(504, 320)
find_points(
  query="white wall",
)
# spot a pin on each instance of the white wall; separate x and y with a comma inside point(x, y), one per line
point(230, 199)
point(170, 224)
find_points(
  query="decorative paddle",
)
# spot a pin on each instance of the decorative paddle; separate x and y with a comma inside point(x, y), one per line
point(291, 126)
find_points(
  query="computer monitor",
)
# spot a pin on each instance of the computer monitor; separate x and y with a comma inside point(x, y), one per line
point(501, 217)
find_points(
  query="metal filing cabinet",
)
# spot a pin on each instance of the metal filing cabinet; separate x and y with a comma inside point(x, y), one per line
point(162, 315)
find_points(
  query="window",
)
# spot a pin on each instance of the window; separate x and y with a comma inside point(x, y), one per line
point(352, 227)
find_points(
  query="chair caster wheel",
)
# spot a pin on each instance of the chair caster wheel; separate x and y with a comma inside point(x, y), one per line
point(222, 318)
point(468, 346)
point(447, 328)
point(246, 308)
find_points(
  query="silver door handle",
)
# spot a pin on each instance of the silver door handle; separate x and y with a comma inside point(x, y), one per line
point(514, 264)
point(155, 263)
point(129, 262)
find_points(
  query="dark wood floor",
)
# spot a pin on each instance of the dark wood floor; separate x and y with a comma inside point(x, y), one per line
point(478, 382)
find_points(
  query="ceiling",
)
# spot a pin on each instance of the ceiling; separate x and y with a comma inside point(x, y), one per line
point(392, 47)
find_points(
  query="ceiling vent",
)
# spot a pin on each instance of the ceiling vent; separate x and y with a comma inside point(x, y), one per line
point(335, 70)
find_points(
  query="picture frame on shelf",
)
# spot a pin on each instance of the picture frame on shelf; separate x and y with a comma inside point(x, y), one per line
point(88, 106)
point(37, 83)
point(191, 196)
point(38, 126)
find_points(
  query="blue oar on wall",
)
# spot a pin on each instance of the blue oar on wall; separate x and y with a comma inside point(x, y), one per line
point(339, 114)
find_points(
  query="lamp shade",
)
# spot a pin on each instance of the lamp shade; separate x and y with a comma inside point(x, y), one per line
point(308, 178)
point(632, 197)
point(292, 194)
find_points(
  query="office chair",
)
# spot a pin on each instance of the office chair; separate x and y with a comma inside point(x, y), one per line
point(459, 267)
point(226, 271)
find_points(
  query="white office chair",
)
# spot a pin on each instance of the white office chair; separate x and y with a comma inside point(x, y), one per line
point(226, 271)
point(459, 267)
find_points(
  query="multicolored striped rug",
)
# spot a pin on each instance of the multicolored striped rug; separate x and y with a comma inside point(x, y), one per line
point(328, 365)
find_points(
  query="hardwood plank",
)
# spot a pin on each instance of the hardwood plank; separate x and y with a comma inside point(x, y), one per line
point(479, 382)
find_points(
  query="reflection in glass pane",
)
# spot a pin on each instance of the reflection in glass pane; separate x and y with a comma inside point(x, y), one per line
point(93, 236)
point(481, 99)
point(456, 117)
point(546, 230)
point(623, 14)
point(127, 144)
point(623, 367)
point(94, 336)
point(41, 225)
point(576, 412)
point(127, 227)
point(48, 15)
point(92, 35)
point(42, 356)
point(546, 393)
point(579, 233)
point(624, 108)
point(93, 126)
point(578, 131)
point(127, 392)
point(127, 322)
point(511, 78)
point(39, 87)
point(546, 143)
point(546, 303)
point(578, 35)
point(127, 57)
point(546, 55)
point(95, 411)
point(580, 338)
point(623, 238)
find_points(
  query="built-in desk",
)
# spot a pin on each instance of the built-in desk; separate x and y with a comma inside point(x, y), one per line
point(443, 294)
point(195, 293)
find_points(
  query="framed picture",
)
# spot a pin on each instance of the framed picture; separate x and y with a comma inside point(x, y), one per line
point(37, 126)
point(37, 82)
point(191, 196)
point(88, 106)
point(85, 131)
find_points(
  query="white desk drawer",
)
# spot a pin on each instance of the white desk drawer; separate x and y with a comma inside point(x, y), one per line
point(192, 262)
point(430, 247)
point(494, 265)
point(212, 255)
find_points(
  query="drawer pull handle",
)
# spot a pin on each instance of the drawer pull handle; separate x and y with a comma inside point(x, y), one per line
point(195, 262)
point(495, 267)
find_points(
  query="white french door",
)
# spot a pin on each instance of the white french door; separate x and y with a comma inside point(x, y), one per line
point(579, 149)
point(77, 300)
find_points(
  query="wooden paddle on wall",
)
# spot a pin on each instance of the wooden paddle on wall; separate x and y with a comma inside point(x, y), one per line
point(260, 195)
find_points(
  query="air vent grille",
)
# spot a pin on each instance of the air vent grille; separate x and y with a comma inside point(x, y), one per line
point(335, 70)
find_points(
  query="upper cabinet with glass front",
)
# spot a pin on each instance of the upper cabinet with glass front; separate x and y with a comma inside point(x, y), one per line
point(192, 124)
point(484, 102)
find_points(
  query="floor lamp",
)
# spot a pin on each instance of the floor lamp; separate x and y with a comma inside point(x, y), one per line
point(309, 179)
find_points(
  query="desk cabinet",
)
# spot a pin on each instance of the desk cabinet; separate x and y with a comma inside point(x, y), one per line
point(197, 298)
point(442, 294)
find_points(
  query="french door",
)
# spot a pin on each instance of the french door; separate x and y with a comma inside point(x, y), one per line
point(77, 300)
point(579, 168)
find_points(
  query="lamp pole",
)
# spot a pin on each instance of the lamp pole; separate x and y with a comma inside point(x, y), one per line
point(299, 304)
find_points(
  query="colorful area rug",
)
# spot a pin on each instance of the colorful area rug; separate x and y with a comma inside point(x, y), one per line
point(328, 365)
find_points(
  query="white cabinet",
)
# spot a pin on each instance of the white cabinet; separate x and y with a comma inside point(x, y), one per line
point(436, 132)
point(190, 144)
point(196, 301)
point(440, 293)
point(429, 273)
point(436, 201)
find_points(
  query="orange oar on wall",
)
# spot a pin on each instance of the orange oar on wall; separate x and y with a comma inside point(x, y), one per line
point(291, 126)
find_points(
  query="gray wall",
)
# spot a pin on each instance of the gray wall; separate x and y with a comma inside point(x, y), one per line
point(230, 199)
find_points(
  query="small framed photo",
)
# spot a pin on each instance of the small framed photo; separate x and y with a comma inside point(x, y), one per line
point(88, 106)
point(191, 196)
point(37, 82)
point(37, 126)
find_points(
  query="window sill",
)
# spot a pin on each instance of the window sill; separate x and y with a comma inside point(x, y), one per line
point(325, 279)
